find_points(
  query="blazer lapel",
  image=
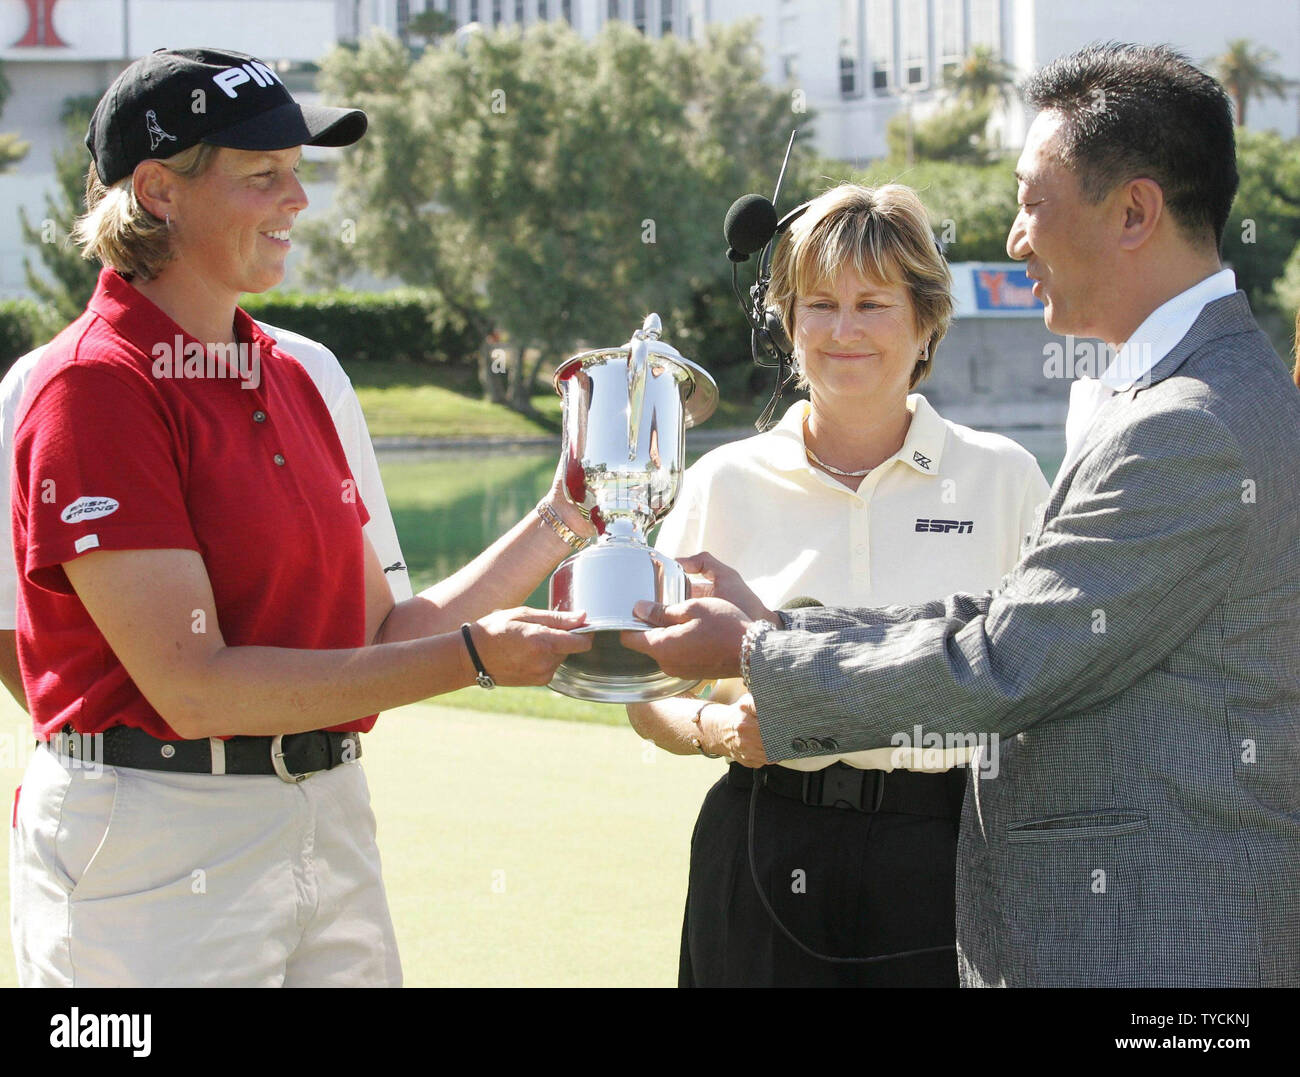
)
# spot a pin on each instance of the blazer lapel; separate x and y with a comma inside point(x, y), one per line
point(1222, 318)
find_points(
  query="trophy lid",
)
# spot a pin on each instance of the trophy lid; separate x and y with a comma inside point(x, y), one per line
point(701, 399)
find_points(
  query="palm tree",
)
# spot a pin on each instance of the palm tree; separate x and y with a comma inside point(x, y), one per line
point(1244, 72)
point(981, 75)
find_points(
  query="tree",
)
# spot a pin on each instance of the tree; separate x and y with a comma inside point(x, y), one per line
point(1264, 225)
point(69, 279)
point(431, 24)
point(553, 190)
point(1286, 289)
point(12, 148)
point(953, 133)
point(980, 77)
point(970, 207)
point(1245, 74)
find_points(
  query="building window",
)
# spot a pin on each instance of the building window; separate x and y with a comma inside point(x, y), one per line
point(519, 11)
point(790, 67)
point(880, 43)
point(403, 17)
point(496, 12)
point(613, 9)
point(542, 12)
point(915, 31)
point(665, 17)
point(850, 48)
point(638, 15)
point(473, 10)
point(984, 29)
point(848, 76)
point(949, 35)
point(566, 10)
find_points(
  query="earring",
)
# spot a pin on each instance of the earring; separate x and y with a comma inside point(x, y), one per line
point(168, 216)
point(925, 355)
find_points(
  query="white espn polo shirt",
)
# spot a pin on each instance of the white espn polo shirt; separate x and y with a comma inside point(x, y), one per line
point(335, 389)
point(946, 513)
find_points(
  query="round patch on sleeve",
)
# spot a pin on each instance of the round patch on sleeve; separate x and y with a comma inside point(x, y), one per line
point(88, 508)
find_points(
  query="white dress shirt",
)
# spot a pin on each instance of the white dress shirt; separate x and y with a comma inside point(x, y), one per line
point(1155, 338)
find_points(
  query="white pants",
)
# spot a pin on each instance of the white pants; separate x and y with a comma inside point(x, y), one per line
point(122, 877)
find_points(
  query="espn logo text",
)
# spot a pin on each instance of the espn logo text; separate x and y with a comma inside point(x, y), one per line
point(942, 527)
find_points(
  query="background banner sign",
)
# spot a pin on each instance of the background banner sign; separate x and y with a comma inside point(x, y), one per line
point(993, 290)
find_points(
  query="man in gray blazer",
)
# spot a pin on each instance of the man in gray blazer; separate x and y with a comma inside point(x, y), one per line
point(1134, 682)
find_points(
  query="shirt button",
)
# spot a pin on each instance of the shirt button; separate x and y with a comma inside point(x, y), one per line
point(259, 416)
point(279, 460)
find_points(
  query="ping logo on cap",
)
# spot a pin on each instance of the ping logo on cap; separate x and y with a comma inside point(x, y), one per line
point(254, 71)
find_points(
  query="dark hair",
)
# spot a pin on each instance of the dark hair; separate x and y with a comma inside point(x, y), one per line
point(1132, 111)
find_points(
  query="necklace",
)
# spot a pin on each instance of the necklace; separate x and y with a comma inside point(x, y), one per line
point(834, 470)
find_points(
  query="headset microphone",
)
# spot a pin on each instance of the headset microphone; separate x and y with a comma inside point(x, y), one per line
point(750, 224)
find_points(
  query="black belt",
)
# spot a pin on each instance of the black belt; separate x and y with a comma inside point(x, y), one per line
point(902, 792)
point(290, 756)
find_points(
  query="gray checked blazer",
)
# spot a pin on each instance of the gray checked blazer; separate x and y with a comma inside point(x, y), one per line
point(1139, 822)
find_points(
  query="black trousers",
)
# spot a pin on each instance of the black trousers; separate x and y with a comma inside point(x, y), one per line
point(845, 883)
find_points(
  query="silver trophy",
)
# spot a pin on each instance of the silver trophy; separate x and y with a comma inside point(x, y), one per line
point(626, 411)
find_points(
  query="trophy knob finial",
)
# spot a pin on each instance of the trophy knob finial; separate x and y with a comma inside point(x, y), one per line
point(651, 327)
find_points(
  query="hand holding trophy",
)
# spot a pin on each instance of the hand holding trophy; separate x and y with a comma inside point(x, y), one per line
point(626, 411)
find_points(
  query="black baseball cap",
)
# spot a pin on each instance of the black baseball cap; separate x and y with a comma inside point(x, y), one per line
point(173, 99)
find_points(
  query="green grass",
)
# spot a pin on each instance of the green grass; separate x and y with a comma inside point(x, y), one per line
point(534, 703)
point(403, 400)
point(416, 400)
point(590, 826)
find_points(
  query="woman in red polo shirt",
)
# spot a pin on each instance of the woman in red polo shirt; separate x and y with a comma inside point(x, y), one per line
point(201, 621)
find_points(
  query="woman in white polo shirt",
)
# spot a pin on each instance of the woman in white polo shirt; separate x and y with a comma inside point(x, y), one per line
point(861, 496)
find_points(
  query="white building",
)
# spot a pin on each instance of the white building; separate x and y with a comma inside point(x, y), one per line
point(856, 63)
point(56, 49)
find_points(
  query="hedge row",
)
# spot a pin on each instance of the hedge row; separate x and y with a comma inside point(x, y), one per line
point(400, 324)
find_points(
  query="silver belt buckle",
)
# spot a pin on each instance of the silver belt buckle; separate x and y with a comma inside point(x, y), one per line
point(277, 761)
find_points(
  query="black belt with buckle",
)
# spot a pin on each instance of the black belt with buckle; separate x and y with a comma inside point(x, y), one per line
point(289, 756)
point(902, 792)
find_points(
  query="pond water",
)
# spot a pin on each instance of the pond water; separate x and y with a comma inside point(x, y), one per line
point(448, 506)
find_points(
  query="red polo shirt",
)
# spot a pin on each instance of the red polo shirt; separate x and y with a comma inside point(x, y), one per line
point(130, 438)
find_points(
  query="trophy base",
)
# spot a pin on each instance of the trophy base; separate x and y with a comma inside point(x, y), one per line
point(610, 673)
point(606, 580)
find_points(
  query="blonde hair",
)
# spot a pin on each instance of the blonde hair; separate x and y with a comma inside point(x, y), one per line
point(881, 232)
point(1295, 373)
point(118, 231)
